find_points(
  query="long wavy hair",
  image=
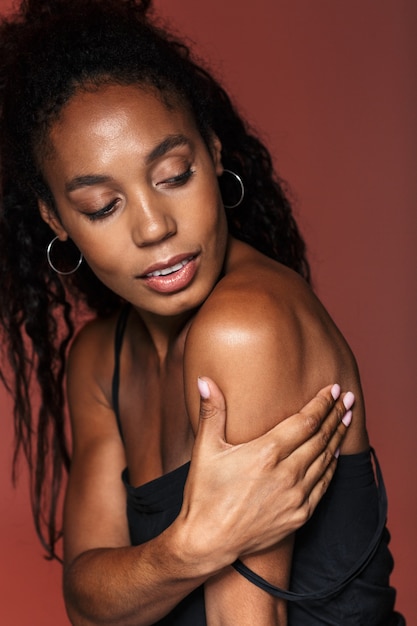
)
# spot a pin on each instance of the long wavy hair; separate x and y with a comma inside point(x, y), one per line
point(48, 50)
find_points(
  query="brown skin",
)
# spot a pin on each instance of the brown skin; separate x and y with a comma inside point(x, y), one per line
point(259, 330)
point(268, 339)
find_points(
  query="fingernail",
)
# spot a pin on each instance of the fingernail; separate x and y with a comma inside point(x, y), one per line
point(336, 454)
point(203, 388)
point(335, 391)
point(347, 418)
point(348, 400)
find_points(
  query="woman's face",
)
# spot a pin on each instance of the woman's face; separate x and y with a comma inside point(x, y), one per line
point(136, 189)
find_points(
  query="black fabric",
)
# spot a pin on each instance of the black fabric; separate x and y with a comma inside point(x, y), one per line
point(341, 561)
point(150, 509)
point(364, 478)
point(333, 542)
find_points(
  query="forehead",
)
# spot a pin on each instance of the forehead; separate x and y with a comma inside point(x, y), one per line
point(109, 112)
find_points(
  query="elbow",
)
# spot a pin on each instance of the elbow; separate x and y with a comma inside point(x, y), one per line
point(76, 600)
point(83, 600)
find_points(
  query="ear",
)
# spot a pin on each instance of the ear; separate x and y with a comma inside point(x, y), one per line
point(216, 154)
point(50, 217)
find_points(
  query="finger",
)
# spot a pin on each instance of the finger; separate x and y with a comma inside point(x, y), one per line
point(325, 463)
point(319, 488)
point(320, 473)
point(333, 429)
point(212, 415)
point(296, 430)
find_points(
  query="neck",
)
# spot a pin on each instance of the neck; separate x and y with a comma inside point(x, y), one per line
point(166, 333)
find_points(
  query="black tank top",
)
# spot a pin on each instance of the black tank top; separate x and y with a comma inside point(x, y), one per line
point(341, 561)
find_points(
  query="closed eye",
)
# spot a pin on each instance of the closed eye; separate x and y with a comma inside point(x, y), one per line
point(177, 181)
point(104, 212)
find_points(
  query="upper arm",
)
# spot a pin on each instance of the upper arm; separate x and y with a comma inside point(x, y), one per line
point(243, 347)
point(269, 356)
point(254, 352)
point(95, 502)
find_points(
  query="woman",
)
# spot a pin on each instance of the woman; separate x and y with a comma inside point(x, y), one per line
point(114, 139)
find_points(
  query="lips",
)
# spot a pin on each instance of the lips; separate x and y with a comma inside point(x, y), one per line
point(172, 276)
point(169, 270)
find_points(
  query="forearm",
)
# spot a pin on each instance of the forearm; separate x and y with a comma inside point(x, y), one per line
point(231, 599)
point(242, 603)
point(139, 585)
point(133, 586)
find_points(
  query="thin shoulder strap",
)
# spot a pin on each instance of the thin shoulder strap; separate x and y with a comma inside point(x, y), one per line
point(335, 587)
point(118, 342)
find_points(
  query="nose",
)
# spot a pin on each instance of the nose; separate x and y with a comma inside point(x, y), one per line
point(152, 221)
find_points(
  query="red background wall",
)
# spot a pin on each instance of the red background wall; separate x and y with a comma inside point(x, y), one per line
point(332, 86)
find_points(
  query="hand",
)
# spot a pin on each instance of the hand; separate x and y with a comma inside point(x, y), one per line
point(244, 498)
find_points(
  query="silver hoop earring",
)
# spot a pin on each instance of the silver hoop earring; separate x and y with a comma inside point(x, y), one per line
point(241, 189)
point(52, 266)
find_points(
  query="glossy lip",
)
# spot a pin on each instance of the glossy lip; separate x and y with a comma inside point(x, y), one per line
point(175, 281)
point(179, 258)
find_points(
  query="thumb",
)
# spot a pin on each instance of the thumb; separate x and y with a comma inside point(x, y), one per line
point(212, 415)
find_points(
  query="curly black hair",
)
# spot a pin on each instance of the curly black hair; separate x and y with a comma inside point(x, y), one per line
point(48, 50)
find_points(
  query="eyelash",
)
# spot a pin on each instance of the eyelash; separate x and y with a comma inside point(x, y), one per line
point(175, 181)
point(101, 213)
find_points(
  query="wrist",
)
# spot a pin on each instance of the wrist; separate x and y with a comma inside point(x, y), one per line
point(196, 549)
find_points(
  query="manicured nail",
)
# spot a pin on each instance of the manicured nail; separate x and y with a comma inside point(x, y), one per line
point(203, 388)
point(336, 454)
point(347, 418)
point(335, 391)
point(348, 400)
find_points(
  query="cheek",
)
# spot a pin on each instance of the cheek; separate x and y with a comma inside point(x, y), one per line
point(217, 225)
point(215, 210)
point(103, 252)
point(221, 221)
point(106, 263)
point(222, 229)
point(210, 225)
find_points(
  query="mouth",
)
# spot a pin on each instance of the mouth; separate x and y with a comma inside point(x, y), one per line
point(171, 269)
point(173, 276)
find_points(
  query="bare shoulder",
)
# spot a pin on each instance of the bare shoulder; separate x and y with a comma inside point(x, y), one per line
point(260, 300)
point(95, 338)
point(92, 350)
point(89, 377)
point(270, 344)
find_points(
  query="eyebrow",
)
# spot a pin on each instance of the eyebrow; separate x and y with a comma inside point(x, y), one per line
point(169, 143)
point(85, 181)
point(89, 180)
